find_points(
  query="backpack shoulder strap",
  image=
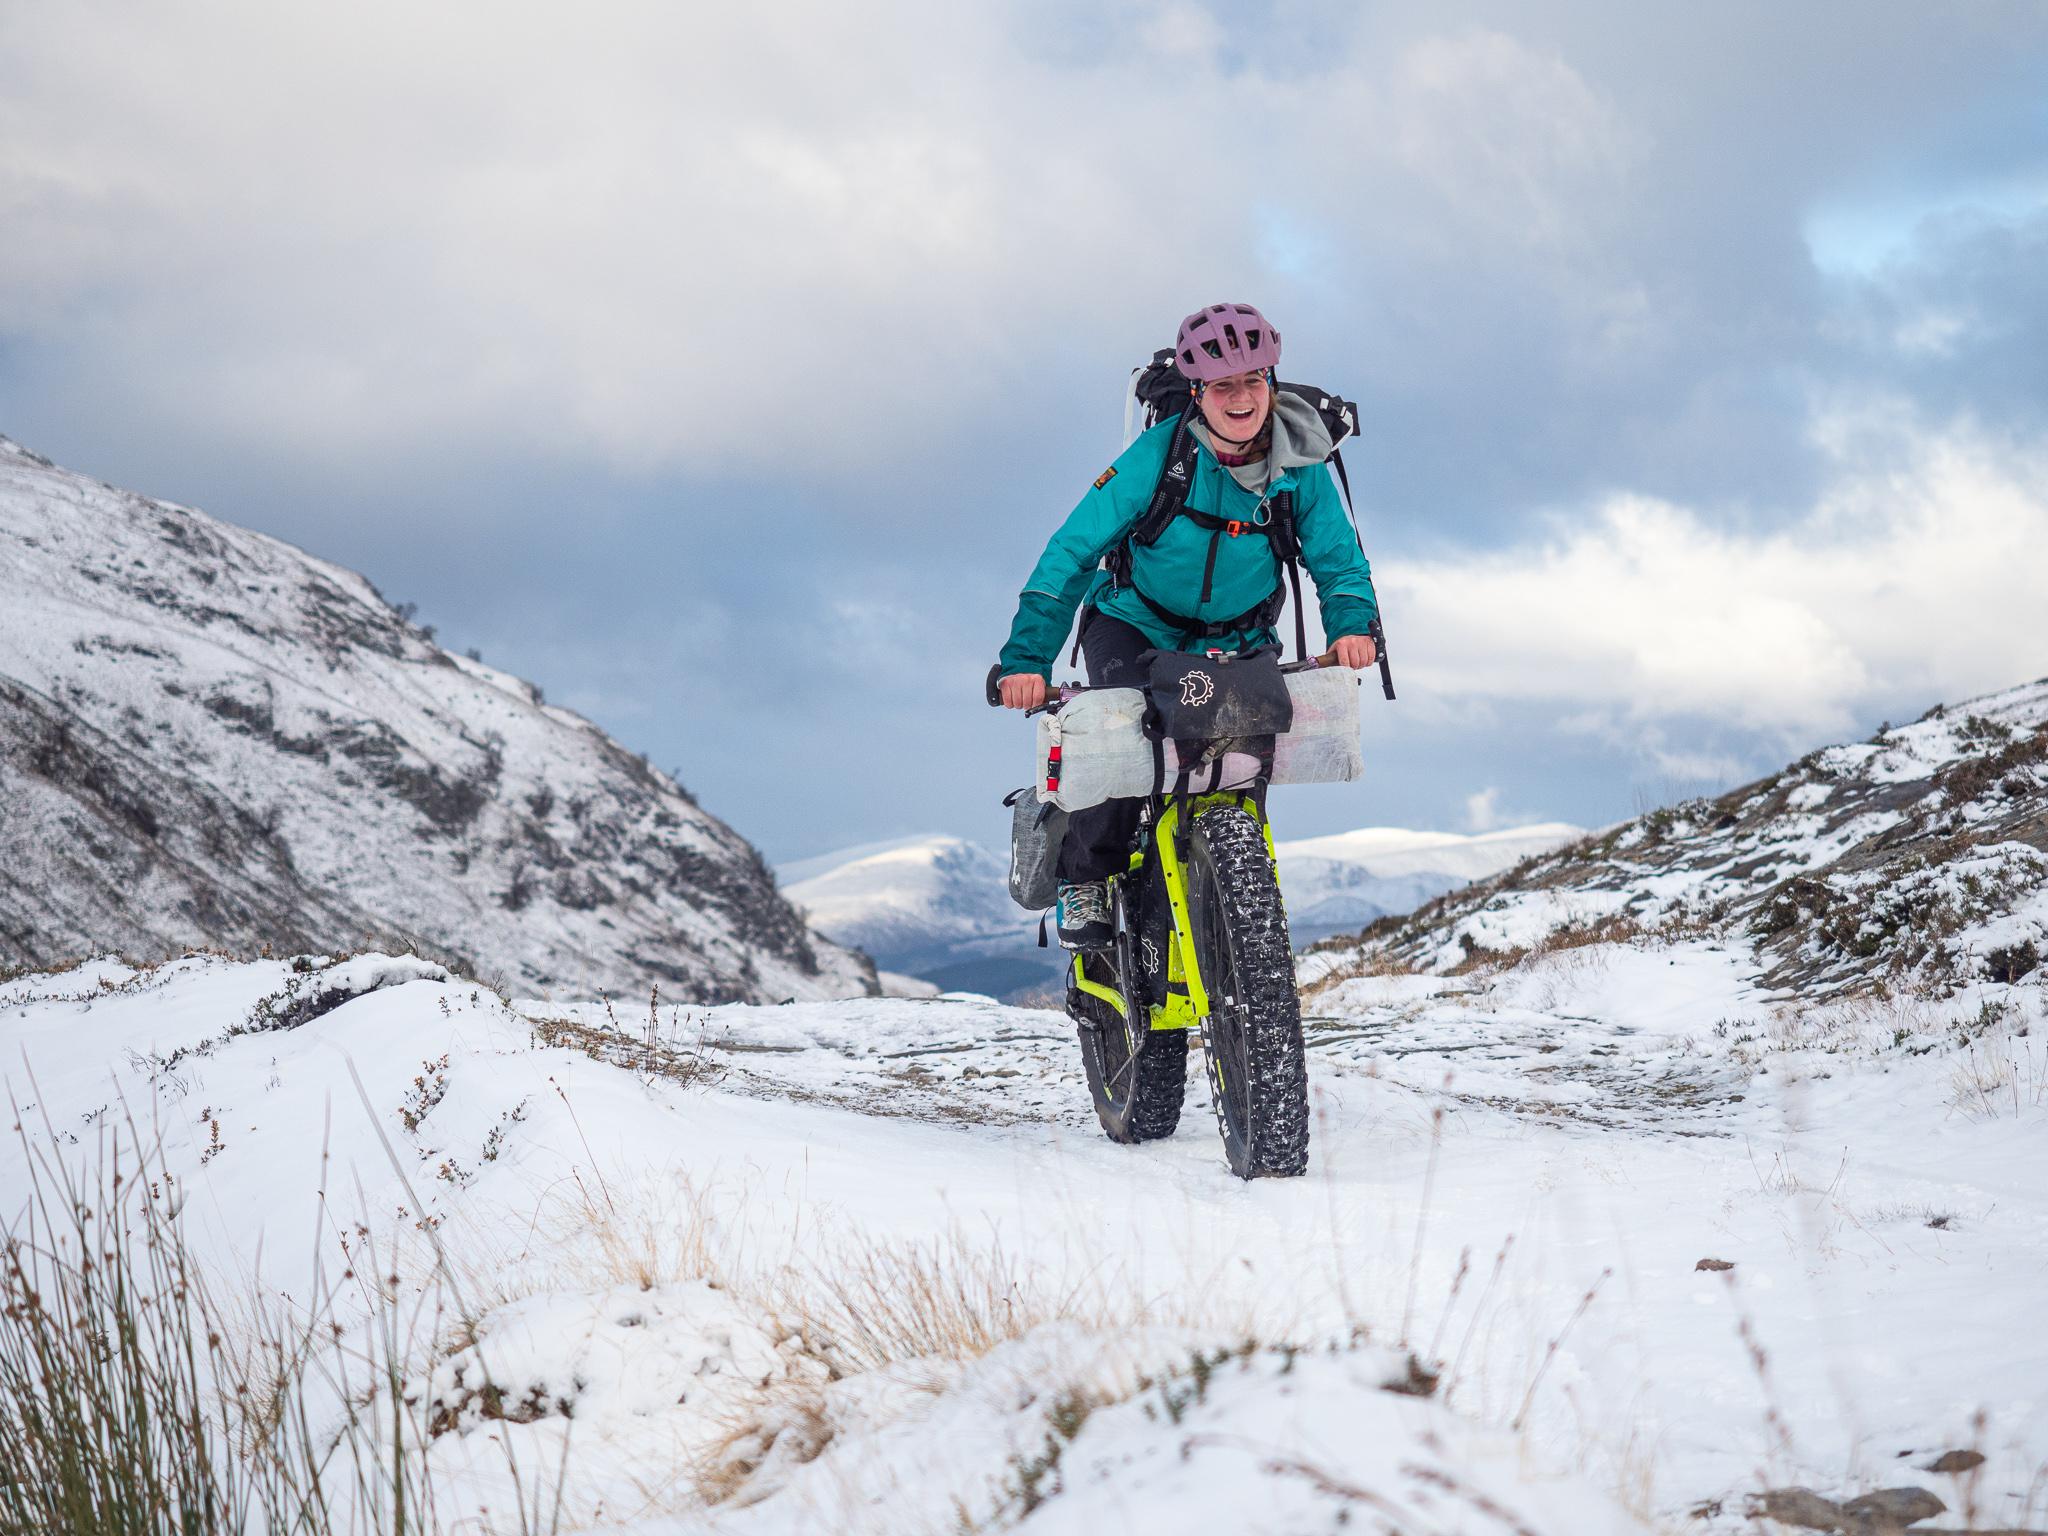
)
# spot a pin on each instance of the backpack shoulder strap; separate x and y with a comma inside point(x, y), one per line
point(1171, 494)
point(1286, 541)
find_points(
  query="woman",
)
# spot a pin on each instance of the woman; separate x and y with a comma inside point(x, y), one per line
point(1192, 588)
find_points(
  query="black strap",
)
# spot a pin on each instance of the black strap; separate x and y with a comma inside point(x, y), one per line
point(1175, 476)
point(1193, 629)
point(1300, 624)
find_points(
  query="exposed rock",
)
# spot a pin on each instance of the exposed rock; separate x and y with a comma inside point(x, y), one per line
point(1893, 1508)
point(1797, 1506)
point(1955, 1461)
point(1870, 1514)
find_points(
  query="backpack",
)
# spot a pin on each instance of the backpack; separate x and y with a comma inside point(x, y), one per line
point(1160, 390)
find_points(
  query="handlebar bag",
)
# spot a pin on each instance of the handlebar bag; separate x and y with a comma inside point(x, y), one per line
point(1094, 747)
point(1218, 698)
point(1037, 828)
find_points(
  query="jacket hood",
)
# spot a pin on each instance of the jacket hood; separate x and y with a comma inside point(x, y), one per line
point(1299, 438)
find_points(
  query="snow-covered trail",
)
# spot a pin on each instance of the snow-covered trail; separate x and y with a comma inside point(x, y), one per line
point(1609, 1117)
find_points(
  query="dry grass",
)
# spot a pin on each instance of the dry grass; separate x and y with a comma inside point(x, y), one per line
point(1364, 963)
point(860, 1304)
point(643, 1052)
point(138, 1395)
point(1999, 1074)
point(790, 1425)
point(863, 1303)
point(665, 1232)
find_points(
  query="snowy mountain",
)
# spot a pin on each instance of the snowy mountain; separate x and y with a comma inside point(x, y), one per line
point(937, 906)
point(904, 898)
point(1348, 879)
point(1916, 860)
point(210, 737)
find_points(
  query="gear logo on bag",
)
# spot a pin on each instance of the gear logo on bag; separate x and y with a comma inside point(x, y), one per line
point(1196, 689)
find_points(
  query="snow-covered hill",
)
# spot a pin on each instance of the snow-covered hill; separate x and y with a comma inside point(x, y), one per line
point(1658, 1235)
point(936, 906)
point(1915, 861)
point(210, 737)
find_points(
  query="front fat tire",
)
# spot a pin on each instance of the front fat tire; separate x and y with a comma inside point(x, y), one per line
point(1265, 1132)
point(1135, 1101)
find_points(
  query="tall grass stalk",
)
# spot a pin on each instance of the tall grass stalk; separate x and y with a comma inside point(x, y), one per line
point(132, 1402)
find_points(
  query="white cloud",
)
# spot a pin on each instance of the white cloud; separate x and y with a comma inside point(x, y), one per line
point(1482, 810)
point(1920, 567)
point(662, 233)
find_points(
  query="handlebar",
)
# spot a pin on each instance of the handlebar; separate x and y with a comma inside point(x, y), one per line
point(1059, 693)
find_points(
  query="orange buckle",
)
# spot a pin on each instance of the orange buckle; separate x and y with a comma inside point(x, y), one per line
point(1234, 527)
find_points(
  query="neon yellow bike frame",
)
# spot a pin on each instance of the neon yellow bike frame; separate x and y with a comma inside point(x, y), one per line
point(1187, 1000)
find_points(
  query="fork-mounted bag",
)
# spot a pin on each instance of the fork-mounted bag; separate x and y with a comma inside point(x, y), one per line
point(1036, 831)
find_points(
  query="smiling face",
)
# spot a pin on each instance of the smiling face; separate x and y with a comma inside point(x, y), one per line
point(1235, 408)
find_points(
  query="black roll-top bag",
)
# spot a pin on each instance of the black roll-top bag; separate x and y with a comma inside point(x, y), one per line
point(1197, 698)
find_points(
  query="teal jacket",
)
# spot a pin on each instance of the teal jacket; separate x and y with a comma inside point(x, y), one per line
point(1170, 571)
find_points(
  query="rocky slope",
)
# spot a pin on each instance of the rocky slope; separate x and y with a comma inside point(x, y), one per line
point(208, 737)
point(1917, 859)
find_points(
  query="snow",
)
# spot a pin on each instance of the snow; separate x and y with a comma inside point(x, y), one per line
point(660, 1217)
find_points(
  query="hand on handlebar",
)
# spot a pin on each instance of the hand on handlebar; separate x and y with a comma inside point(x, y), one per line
point(1354, 651)
point(1022, 690)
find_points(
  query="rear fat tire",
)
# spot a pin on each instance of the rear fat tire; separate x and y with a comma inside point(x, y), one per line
point(1254, 1030)
point(1135, 1100)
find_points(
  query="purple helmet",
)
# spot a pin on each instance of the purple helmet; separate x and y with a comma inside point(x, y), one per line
point(1225, 339)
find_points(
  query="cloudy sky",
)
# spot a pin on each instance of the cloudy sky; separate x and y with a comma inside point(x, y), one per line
point(724, 368)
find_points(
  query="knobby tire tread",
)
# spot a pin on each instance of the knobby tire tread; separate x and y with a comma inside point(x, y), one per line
point(1150, 1111)
point(1275, 1144)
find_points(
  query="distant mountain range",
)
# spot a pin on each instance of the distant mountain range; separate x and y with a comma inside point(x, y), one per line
point(937, 907)
point(208, 737)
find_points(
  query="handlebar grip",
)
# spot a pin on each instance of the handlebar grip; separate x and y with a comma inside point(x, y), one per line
point(995, 693)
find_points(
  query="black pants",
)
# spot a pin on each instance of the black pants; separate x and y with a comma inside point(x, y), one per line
point(1099, 838)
